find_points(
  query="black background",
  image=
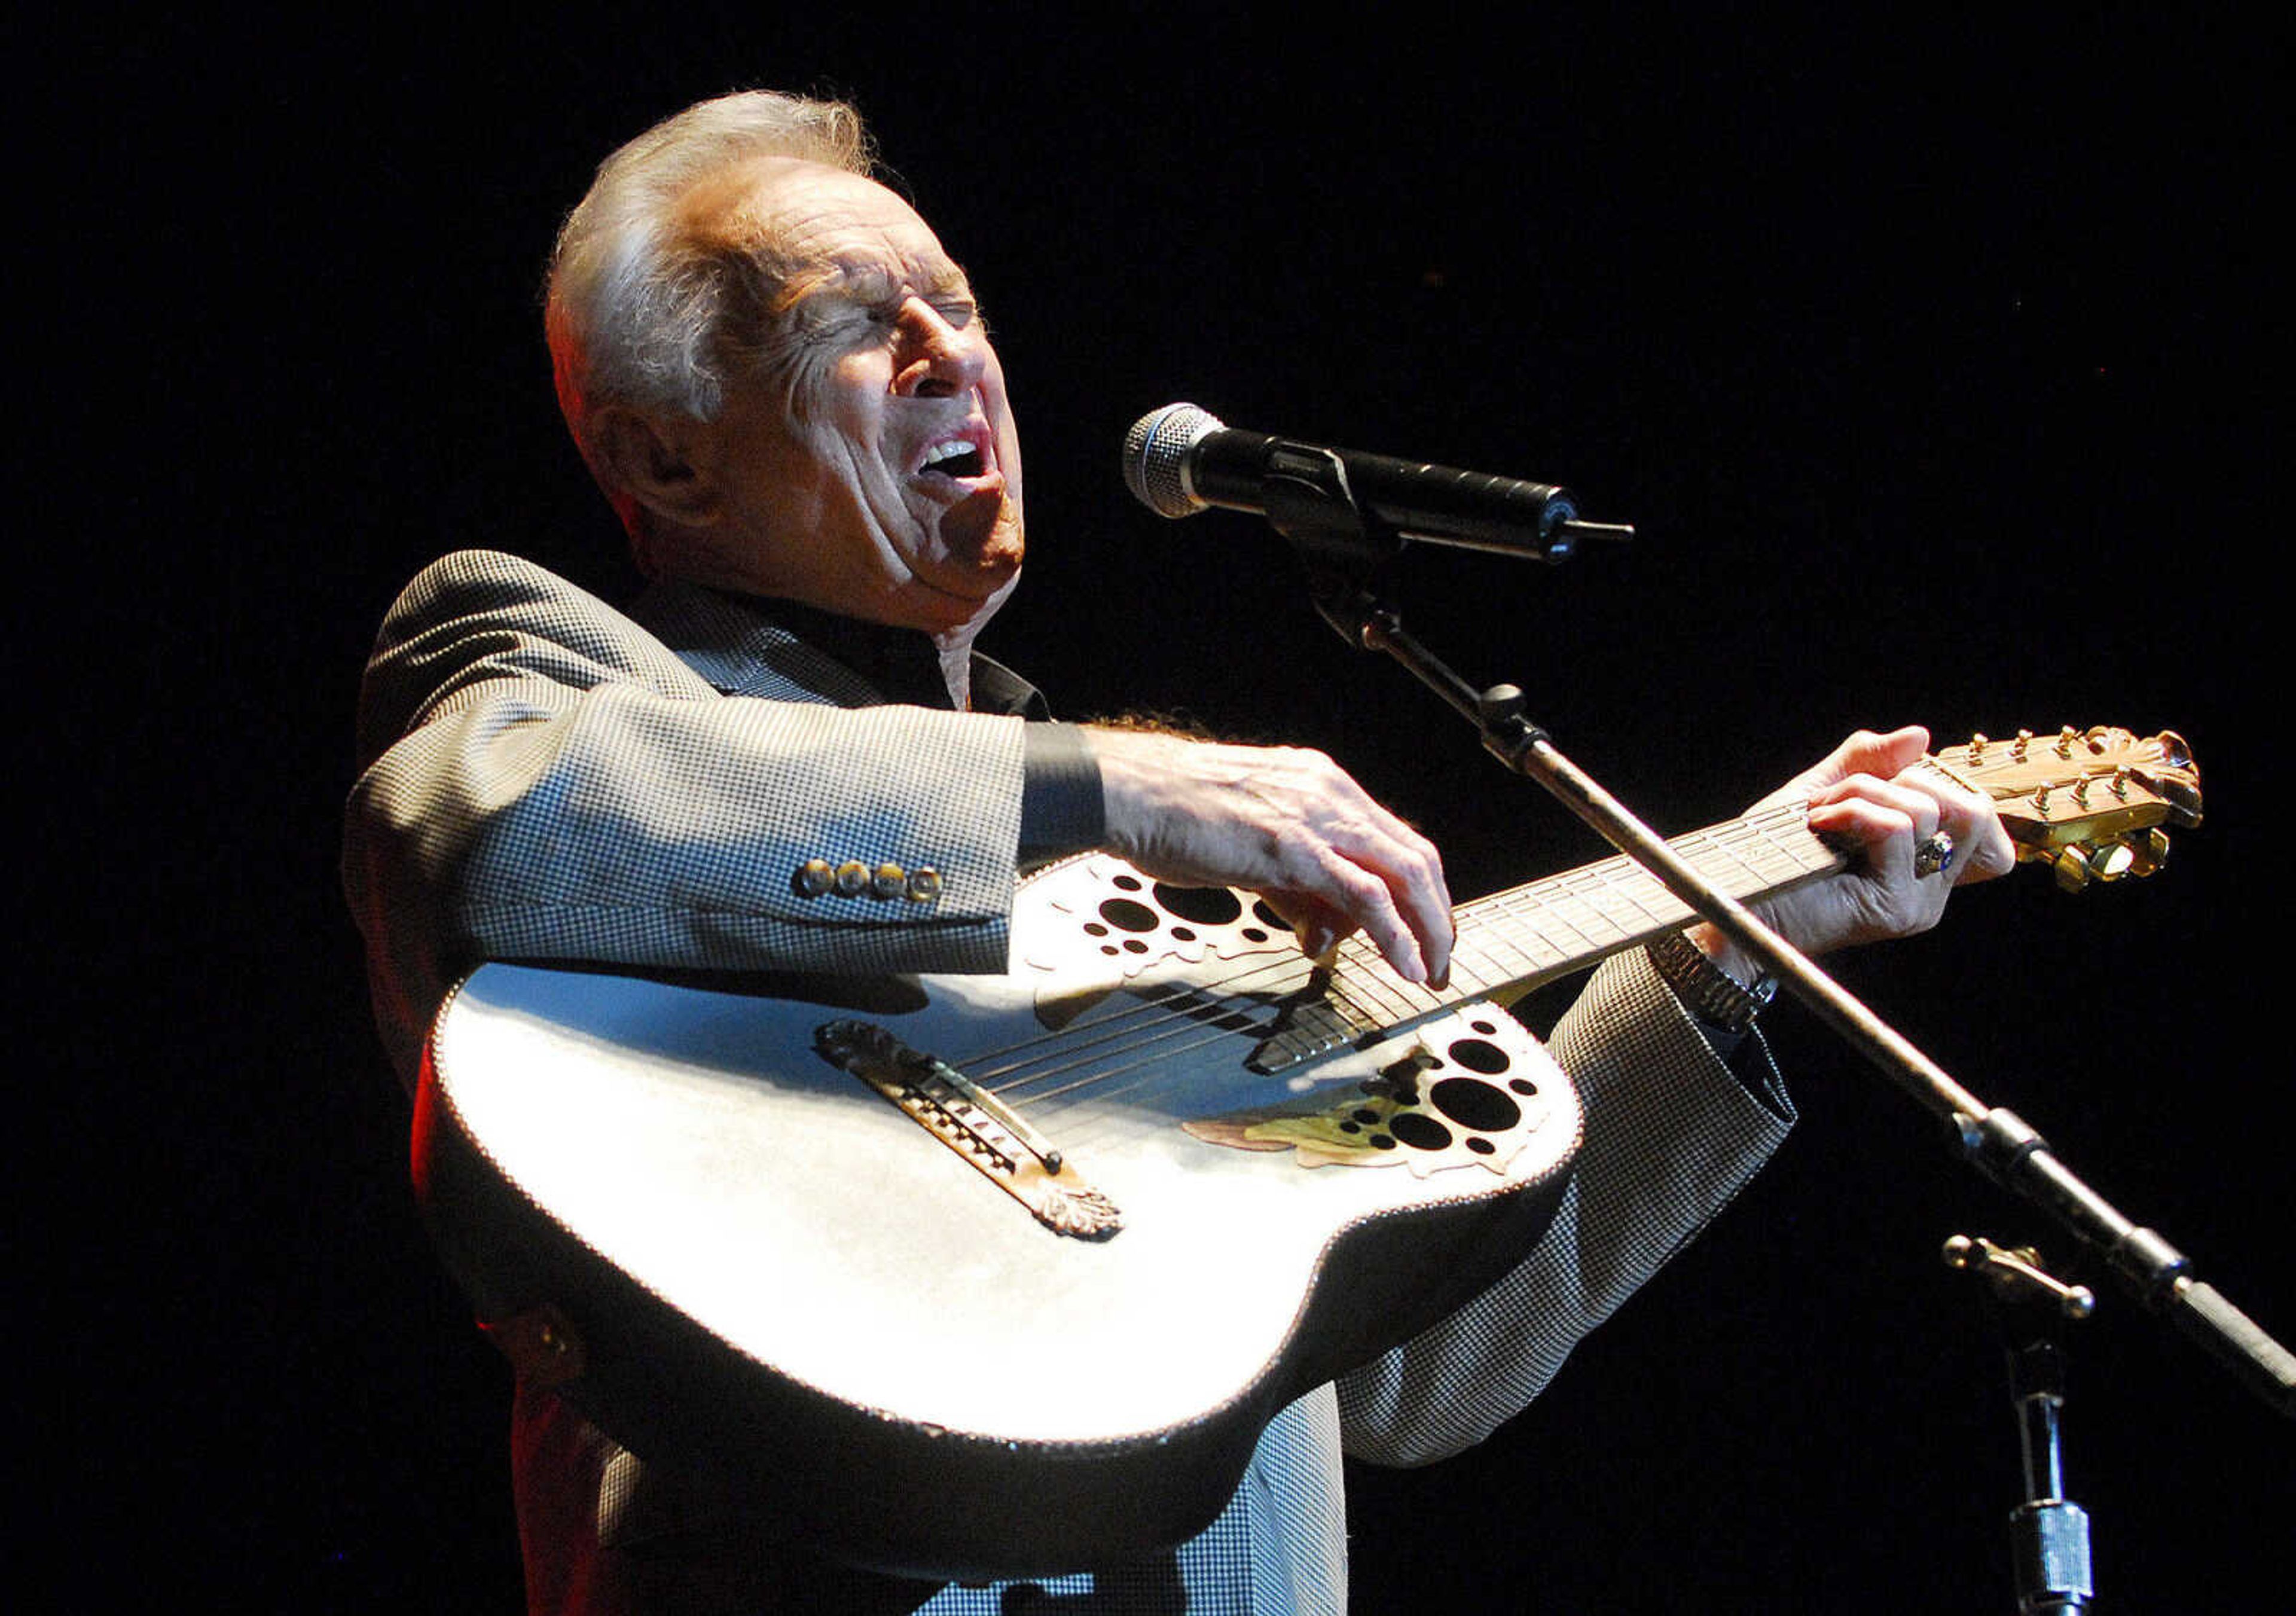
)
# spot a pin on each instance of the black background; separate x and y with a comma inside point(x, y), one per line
point(1936, 365)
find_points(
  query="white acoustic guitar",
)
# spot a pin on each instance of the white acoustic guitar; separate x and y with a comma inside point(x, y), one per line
point(1006, 1275)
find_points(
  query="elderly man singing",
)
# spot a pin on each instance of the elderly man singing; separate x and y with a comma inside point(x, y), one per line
point(786, 755)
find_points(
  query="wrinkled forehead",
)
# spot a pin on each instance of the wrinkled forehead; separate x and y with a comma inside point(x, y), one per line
point(821, 231)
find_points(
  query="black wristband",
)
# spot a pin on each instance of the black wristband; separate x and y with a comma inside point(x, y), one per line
point(1061, 809)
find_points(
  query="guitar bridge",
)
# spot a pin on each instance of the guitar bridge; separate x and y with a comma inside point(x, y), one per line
point(975, 1124)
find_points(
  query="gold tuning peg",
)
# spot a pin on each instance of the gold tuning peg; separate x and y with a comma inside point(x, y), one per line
point(2078, 864)
point(2149, 852)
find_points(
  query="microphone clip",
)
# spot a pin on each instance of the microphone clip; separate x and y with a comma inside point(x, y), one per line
point(1310, 502)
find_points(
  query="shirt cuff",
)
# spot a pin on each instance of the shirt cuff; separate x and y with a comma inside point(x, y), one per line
point(1062, 810)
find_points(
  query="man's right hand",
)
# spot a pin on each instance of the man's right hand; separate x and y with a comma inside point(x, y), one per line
point(1288, 824)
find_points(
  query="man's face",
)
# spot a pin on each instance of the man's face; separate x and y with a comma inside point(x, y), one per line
point(886, 483)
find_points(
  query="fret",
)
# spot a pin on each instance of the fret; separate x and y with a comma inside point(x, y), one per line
point(1364, 976)
point(1657, 906)
point(1633, 897)
point(1473, 972)
point(1797, 846)
point(1567, 910)
point(1573, 919)
point(1590, 901)
point(1511, 948)
point(1477, 969)
point(1729, 854)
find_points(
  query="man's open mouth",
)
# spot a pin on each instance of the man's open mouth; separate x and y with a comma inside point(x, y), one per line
point(957, 457)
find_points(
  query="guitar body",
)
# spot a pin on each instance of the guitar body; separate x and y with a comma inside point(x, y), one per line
point(753, 1258)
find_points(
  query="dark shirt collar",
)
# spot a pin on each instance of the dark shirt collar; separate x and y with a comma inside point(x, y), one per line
point(903, 664)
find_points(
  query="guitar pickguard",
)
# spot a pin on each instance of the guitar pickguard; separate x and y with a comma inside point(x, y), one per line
point(1094, 924)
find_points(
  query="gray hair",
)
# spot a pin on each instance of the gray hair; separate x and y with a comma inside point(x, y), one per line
point(644, 308)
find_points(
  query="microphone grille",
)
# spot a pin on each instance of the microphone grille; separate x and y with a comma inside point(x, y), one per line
point(1155, 456)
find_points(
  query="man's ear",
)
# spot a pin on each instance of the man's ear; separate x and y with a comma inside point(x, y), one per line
point(653, 462)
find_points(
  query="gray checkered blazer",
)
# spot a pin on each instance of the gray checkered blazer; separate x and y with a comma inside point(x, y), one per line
point(543, 776)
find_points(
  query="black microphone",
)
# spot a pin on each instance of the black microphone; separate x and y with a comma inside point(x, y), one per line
point(1179, 460)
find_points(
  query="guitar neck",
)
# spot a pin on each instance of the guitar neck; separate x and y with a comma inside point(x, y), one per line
point(1533, 934)
point(1515, 940)
point(2089, 804)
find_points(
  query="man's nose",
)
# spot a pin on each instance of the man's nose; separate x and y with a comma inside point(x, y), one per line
point(934, 358)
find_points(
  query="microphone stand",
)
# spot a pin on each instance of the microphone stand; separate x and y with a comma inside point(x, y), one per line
point(1342, 544)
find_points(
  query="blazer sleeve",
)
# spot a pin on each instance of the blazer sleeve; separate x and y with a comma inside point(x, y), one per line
point(1671, 1136)
point(541, 778)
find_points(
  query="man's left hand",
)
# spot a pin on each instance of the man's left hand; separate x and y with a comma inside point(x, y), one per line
point(1870, 793)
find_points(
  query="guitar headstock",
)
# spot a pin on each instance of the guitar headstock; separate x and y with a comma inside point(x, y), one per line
point(2091, 804)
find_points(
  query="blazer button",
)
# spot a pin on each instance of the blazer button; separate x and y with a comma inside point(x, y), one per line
point(852, 878)
point(813, 877)
point(924, 884)
point(891, 881)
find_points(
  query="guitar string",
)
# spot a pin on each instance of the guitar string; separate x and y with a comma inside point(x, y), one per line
point(1561, 899)
point(1770, 862)
point(1211, 1010)
point(1405, 1002)
point(1364, 975)
point(1161, 1072)
point(1358, 973)
point(1218, 998)
point(1158, 1068)
point(1654, 919)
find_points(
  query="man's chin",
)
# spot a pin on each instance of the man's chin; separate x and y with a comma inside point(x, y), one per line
point(982, 530)
point(968, 603)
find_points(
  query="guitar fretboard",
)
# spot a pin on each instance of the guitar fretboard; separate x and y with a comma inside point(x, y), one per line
point(1531, 934)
